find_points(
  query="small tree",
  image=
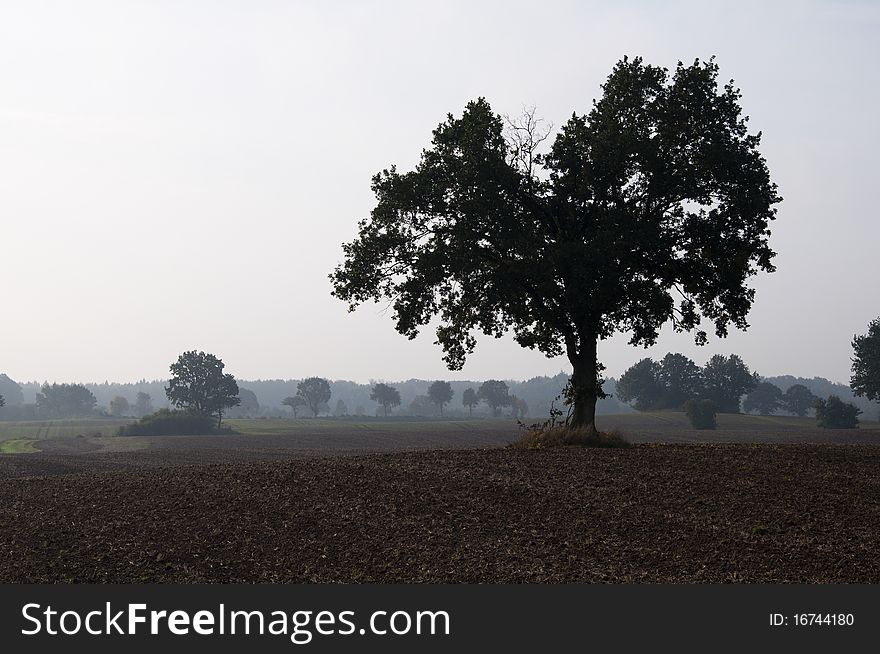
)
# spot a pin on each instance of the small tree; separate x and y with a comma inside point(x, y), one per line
point(765, 399)
point(143, 404)
point(519, 407)
point(249, 405)
point(440, 393)
point(296, 403)
point(798, 399)
point(834, 413)
point(701, 413)
point(119, 407)
point(865, 379)
point(470, 400)
point(386, 396)
point(315, 391)
point(341, 408)
point(496, 394)
point(198, 384)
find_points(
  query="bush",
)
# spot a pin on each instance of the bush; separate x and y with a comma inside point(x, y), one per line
point(537, 438)
point(834, 413)
point(170, 423)
point(701, 413)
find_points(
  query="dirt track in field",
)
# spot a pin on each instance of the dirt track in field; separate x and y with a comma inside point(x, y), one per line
point(652, 513)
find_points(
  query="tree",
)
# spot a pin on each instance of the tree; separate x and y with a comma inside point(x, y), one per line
point(470, 400)
point(316, 392)
point(865, 379)
point(2, 401)
point(385, 395)
point(834, 413)
point(65, 400)
point(519, 408)
point(798, 399)
point(681, 380)
point(496, 394)
point(199, 385)
point(119, 407)
point(341, 408)
point(421, 405)
point(653, 207)
point(726, 380)
point(701, 413)
point(765, 399)
point(440, 393)
point(641, 386)
point(296, 402)
point(143, 404)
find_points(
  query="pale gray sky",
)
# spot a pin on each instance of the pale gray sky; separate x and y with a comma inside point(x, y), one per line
point(180, 174)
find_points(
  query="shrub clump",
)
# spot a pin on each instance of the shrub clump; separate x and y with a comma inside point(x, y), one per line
point(701, 413)
point(170, 423)
point(834, 413)
point(537, 438)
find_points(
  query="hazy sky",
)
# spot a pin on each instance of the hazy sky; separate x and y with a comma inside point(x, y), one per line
point(180, 175)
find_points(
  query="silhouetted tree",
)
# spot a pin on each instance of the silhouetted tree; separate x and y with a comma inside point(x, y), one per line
point(65, 400)
point(658, 193)
point(341, 408)
point(701, 413)
point(834, 413)
point(798, 399)
point(496, 394)
point(249, 404)
point(119, 407)
point(470, 400)
point(519, 408)
point(315, 391)
point(865, 379)
point(386, 396)
point(726, 380)
point(421, 405)
point(11, 391)
point(641, 386)
point(199, 385)
point(681, 380)
point(440, 393)
point(765, 399)
point(143, 404)
point(295, 403)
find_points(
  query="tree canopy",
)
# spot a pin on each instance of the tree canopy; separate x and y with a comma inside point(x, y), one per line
point(653, 207)
point(496, 394)
point(865, 379)
point(470, 399)
point(798, 399)
point(726, 380)
point(65, 400)
point(765, 399)
point(295, 403)
point(386, 396)
point(440, 393)
point(316, 393)
point(199, 385)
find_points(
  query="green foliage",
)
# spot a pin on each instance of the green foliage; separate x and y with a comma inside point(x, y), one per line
point(798, 399)
point(386, 396)
point(834, 413)
point(701, 413)
point(170, 423)
point(496, 394)
point(316, 393)
point(765, 399)
point(440, 393)
point(296, 403)
point(726, 380)
point(866, 362)
point(653, 207)
point(65, 400)
point(198, 385)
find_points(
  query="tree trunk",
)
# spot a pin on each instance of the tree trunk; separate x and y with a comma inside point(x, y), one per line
point(584, 386)
point(219, 418)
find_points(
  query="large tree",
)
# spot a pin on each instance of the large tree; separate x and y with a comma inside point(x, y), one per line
point(866, 362)
point(470, 399)
point(65, 400)
point(496, 394)
point(798, 399)
point(765, 399)
point(653, 207)
point(640, 385)
point(682, 380)
point(440, 393)
point(726, 380)
point(198, 384)
point(386, 396)
point(295, 403)
point(316, 392)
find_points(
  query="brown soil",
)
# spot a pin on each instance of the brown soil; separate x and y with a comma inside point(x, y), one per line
point(652, 513)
